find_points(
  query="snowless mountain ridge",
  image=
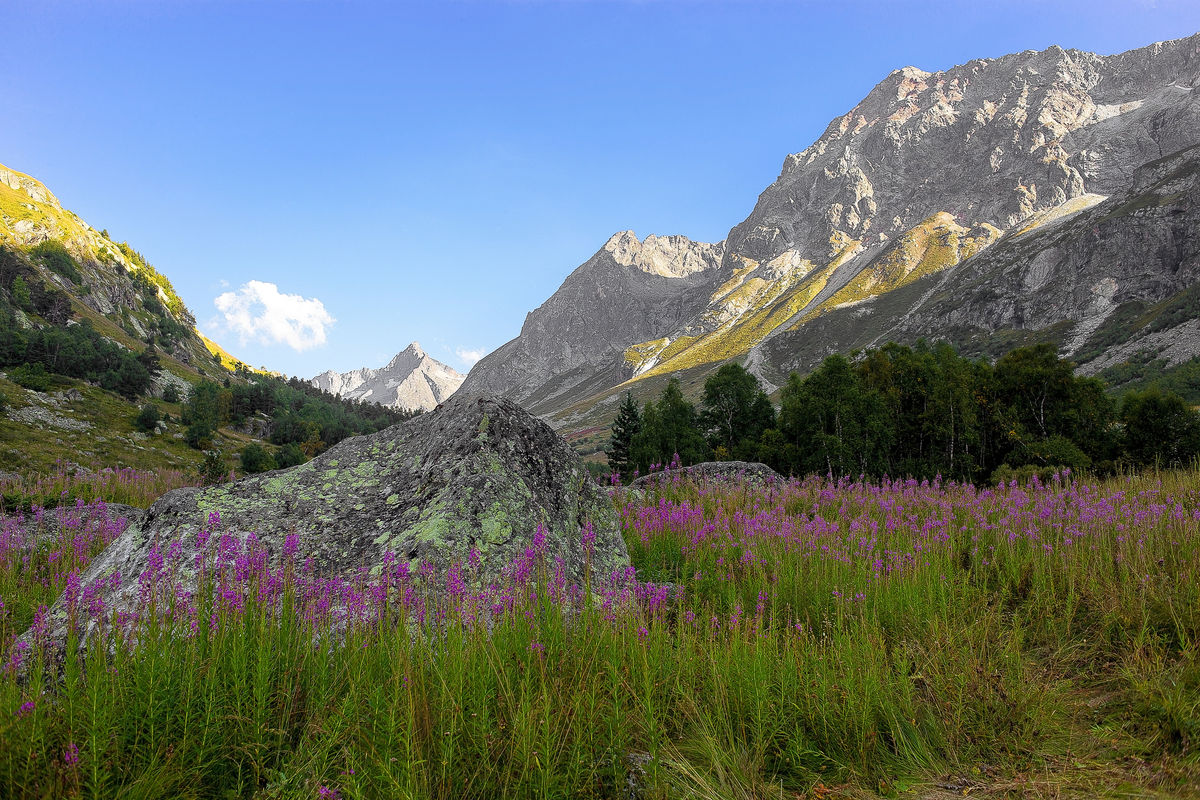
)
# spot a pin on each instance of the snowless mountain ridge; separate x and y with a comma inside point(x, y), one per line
point(412, 380)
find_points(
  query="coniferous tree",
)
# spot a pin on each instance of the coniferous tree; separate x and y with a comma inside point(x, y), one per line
point(626, 426)
point(670, 427)
point(147, 418)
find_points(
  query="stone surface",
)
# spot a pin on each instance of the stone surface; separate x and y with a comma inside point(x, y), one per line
point(476, 473)
point(43, 418)
point(751, 471)
point(411, 380)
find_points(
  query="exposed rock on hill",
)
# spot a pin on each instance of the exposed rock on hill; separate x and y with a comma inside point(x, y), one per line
point(916, 186)
point(477, 473)
point(411, 380)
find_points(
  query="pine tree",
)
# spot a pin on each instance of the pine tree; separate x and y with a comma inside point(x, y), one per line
point(627, 425)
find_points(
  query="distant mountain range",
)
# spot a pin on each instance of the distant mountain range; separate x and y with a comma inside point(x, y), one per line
point(411, 380)
point(1042, 196)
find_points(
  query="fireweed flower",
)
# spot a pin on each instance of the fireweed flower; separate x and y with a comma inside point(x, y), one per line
point(71, 755)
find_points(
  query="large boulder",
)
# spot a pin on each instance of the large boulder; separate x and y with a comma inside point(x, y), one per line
point(476, 474)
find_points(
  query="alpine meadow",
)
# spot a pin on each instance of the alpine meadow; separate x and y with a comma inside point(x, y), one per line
point(892, 492)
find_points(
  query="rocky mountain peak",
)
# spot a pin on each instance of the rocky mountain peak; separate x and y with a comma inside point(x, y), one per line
point(930, 178)
point(20, 182)
point(411, 380)
point(668, 256)
point(407, 359)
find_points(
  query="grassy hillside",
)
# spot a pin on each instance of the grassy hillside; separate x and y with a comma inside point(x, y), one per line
point(91, 334)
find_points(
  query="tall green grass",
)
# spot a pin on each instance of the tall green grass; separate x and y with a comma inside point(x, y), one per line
point(812, 635)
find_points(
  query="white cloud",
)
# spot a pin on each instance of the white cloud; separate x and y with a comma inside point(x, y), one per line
point(258, 312)
point(469, 357)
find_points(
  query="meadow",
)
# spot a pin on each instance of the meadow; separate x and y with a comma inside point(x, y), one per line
point(813, 639)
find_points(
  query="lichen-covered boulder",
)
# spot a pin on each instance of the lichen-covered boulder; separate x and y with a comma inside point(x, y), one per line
point(476, 474)
point(714, 471)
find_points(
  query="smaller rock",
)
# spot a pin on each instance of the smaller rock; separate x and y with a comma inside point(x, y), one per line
point(712, 471)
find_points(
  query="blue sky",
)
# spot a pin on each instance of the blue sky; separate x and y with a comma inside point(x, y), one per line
point(325, 182)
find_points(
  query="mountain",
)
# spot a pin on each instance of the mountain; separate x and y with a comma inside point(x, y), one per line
point(411, 380)
point(104, 281)
point(90, 332)
point(1040, 196)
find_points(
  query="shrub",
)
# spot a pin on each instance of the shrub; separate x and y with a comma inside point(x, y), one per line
point(255, 458)
point(170, 394)
point(31, 376)
point(57, 259)
point(213, 470)
point(290, 455)
point(199, 434)
point(147, 418)
point(20, 294)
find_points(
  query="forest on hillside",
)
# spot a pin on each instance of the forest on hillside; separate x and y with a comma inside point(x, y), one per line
point(42, 341)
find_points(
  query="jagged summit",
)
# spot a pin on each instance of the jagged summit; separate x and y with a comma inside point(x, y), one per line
point(411, 380)
point(668, 256)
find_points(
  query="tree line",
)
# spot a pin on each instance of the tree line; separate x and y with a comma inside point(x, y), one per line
point(303, 419)
point(912, 411)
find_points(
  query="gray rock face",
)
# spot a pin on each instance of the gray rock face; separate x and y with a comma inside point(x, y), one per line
point(918, 183)
point(1139, 245)
point(993, 140)
point(477, 474)
point(1066, 278)
point(411, 380)
point(573, 344)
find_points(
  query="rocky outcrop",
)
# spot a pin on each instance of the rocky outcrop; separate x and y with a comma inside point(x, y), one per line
point(714, 471)
point(112, 278)
point(474, 481)
point(412, 380)
point(1100, 280)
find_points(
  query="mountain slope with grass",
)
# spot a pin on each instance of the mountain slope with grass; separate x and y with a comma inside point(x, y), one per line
point(950, 205)
point(101, 364)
